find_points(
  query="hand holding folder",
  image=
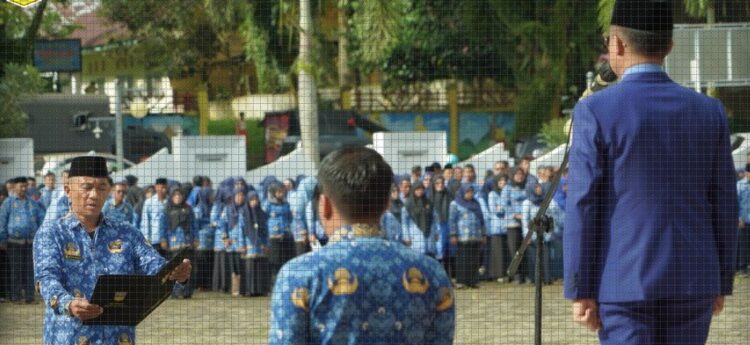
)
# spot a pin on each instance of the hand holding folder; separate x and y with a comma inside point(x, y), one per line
point(128, 299)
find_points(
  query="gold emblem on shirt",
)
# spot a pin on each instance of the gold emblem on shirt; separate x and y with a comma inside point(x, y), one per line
point(301, 298)
point(83, 341)
point(115, 247)
point(71, 252)
point(445, 300)
point(124, 339)
point(343, 282)
point(77, 293)
point(414, 281)
point(53, 302)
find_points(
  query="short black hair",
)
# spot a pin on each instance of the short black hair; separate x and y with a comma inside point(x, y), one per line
point(358, 181)
point(416, 169)
point(197, 180)
point(648, 43)
point(31, 178)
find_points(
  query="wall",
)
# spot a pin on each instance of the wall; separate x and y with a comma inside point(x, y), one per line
point(16, 158)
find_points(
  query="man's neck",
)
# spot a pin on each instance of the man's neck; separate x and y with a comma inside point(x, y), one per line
point(116, 203)
point(89, 223)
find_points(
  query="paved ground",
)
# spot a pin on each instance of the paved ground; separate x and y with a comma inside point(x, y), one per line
point(493, 314)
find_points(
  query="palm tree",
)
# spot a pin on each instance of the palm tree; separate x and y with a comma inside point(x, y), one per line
point(307, 99)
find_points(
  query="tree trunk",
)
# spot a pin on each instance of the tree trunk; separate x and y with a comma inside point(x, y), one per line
point(307, 98)
point(343, 65)
point(33, 31)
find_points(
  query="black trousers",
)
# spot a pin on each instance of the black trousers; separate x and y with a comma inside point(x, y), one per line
point(4, 280)
point(204, 263)
point(468, 260)
point(21, 271)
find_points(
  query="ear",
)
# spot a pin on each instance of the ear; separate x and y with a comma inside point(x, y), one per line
point(325, 206)
point(619, 45)
point(66, 188)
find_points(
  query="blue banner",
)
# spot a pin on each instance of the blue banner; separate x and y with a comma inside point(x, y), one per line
point(58, 55)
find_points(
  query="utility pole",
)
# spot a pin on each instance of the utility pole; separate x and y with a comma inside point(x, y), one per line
point(307, 95)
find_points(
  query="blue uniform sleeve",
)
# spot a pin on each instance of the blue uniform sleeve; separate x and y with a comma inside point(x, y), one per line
point(147, 259)
point(442, 328)
point(48, 270)
point(453, 219)
point(722, 199)
point(310, 218)
point(290, 307)
point(4, 216)
point(38, 217)
point(583, 227)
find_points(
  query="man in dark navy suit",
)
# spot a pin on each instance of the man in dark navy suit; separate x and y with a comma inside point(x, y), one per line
point(648, 257)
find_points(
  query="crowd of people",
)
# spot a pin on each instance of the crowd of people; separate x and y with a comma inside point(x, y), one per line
point(240, 234)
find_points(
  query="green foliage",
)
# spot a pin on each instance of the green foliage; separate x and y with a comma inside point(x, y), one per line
point(694, 8)
point(18, 81)
point(553, 134)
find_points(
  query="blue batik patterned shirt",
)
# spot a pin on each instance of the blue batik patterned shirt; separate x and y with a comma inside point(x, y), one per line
point(67, 262)
point(362, 289)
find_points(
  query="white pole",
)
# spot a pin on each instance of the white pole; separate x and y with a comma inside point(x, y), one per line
point(307, 94)
point(118, 126)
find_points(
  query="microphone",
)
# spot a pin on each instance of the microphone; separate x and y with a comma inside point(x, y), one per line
point(605, 76)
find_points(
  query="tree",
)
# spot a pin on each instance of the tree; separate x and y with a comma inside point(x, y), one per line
point(18, 81)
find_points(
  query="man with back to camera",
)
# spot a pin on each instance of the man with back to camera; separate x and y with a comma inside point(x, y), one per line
point(360, 288)
point(648, 257)
point(70, 253)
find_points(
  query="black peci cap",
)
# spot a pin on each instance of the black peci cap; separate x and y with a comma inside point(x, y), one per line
point(645, 15)
point(161, 180)
point(89, 166)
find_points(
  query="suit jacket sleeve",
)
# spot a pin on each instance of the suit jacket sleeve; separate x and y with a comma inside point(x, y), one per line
point(724, 206)
point(584, 209)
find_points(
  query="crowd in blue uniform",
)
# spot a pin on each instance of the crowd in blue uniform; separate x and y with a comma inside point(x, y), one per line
point(242, 234)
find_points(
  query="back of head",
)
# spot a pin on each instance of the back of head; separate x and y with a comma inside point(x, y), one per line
point(646, 25)
point(358, 182)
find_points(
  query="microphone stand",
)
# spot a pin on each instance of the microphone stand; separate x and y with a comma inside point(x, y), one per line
point(542, 223)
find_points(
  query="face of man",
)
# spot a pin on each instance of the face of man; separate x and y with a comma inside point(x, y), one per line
point(20, 189)
point(87, 195)
point(49, 181)
point(469, 174)
point(65, 177)
point(458, 174)
point(31, 183)
point(280, 194)
point(448, 174)
point(161, 191)
point(427, 181)
point(119, 193)
point(404, 187)
point(499, 168)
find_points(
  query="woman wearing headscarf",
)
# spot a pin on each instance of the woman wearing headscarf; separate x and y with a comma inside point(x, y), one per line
point(177, 231)
point(512, 197)
point(279, 228)
point(497, 232)
point(427, 183)
point(441, 200)
point(467, 231)
point(390, 221)
point(221, 279)
point(204, 253)
point(552, 253)
point(417, 220)
point(234, 220)
point(256, 280)
point(265, 184)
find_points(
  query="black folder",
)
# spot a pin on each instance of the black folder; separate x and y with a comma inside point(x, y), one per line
point(128, 299)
